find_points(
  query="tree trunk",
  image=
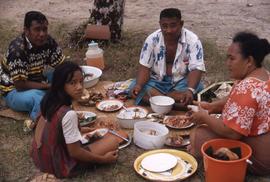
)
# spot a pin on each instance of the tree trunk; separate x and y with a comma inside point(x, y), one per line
point(109, 12)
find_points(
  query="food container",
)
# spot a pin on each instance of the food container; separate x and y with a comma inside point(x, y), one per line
point(86, 117)
point(218, 170)
point(129, 116)
point(215, 91)
point(161, 104)
point(92, 75)
point(94, 56)
point(150, 135)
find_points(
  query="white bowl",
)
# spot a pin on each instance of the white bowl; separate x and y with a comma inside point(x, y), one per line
point(127, 117)
point(145, 140)
point(161, 104)
point(91, 81)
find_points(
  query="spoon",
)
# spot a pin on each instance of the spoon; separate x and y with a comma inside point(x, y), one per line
point(124, 107)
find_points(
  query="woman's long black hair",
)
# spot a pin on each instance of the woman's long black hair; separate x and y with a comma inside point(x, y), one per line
point(56, 95)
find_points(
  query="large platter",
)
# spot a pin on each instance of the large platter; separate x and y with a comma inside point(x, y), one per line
point(186, 166)
point(125, 144)
point(159, 162)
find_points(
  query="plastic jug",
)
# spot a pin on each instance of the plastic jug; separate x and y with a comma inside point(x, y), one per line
point(94, 56)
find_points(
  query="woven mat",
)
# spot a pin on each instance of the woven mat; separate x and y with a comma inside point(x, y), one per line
point(100, 87)
point(21, 116)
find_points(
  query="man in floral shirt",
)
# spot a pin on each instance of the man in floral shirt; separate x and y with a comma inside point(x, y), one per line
point(24, 72)
point(171, 62)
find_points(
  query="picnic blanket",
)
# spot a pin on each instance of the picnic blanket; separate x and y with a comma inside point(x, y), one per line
point(101, 87)
point(21, 116)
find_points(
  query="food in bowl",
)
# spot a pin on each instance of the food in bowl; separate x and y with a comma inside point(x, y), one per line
point(161, 104)
point(150, 132)
point(130, 115)
point(86, 118)
point(133, 113)
point(92, 75)
point(88, 76)
point(156, 117)
point(110, 107)
point(90, 98)
point(180, 121)
point(147, 139)
point(175, 140)
point(95, 97)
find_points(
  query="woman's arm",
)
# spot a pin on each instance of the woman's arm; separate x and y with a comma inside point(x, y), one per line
point(213, 107)
point(215, 124)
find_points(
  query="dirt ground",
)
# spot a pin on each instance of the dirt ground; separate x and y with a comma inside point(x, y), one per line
point(213, 19)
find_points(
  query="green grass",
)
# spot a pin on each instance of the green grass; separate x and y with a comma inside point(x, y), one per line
point(121, 61)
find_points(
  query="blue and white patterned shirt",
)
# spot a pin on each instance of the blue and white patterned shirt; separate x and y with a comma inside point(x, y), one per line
point(188, 57)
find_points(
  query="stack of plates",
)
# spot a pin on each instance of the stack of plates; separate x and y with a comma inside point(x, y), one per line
point(165, 165)
point(159, 162)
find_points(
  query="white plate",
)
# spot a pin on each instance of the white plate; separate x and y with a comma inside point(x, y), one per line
point(185, 142)
point(109, 105)
point(159, 162)
point(186, 166)
point(101, 132)
point(155, 117)
point(89, 117)
point(176, 127)
point(134, 112)
point(184, 127)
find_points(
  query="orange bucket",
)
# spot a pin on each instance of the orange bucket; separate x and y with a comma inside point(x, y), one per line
point(225, 171)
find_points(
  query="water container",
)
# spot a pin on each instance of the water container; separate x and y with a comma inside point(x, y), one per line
point(94, 56)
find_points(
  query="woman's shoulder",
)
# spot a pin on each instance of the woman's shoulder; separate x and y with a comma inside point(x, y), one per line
point(253, 81)
point(70, 114)
point(251, 86)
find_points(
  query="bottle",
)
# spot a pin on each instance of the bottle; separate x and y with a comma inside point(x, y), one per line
point(94, 56)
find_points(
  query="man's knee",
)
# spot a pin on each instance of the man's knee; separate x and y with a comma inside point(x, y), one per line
point(33, 97)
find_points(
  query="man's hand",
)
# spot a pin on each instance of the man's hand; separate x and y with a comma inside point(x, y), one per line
point(110, 157)
point(136, 90)
point(186, 98)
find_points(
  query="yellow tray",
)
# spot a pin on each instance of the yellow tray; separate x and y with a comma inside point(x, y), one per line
point(179, 172)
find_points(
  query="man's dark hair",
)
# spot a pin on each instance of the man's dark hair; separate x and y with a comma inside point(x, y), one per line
point(34, 16)
point(251, 45)
point(170, 13)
